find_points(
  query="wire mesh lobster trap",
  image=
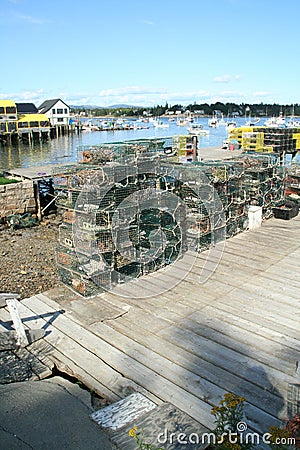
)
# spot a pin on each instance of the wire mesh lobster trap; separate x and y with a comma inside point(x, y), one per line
point(129, 210)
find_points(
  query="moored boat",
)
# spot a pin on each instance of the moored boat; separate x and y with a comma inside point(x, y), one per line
point(197, 129)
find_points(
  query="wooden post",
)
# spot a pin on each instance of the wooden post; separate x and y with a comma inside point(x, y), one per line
point(37, 199)
point(195, 142)
point(22, 340)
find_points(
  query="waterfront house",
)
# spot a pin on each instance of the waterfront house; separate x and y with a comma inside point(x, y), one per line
point(34, 122)
point(57, 111)
point(26, 108)
point(8, 116)
point(33, 127)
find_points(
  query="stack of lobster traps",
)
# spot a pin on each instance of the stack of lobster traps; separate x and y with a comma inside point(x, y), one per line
point(128, 209)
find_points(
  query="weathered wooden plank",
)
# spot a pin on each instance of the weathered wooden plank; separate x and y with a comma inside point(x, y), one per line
point(277, 273)
point(267, 300)
point(260, 319)
point(6, 296)
point(76, 351)
point(263, 248)
point(22, 339)
point(37, 349)
point(268, 348)
point(252, 325)
point(132, 369)
point(269, 313)
point(192, 372)
point(236, 363)
point(145, 314)
point(163, 426)
point(119, 414)
point(9, 339)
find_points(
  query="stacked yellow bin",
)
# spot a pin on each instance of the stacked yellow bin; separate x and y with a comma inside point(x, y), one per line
point(296, 136)
point(236, 134)
point(252, 141)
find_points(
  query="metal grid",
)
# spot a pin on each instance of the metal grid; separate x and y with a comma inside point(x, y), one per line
point(121, 231)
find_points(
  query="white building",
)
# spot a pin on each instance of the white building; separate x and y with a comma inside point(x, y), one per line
point(56, 110)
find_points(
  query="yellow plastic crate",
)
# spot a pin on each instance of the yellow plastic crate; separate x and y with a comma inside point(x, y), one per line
point(268, 148)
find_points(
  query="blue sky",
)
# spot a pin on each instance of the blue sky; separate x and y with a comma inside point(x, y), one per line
point(105, 52)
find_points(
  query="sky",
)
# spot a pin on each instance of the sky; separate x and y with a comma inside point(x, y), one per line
point(149, 52)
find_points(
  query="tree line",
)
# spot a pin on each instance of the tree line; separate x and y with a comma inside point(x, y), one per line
point(205, 109)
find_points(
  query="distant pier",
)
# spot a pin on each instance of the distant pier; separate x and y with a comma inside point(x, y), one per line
point(37, 134)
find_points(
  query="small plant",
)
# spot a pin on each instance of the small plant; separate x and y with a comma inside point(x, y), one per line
point(279, 435)
point(228, 418)
point(140, 440)
point(293, 426)
point(4, 180)
point(229, 414)
point(229, 422)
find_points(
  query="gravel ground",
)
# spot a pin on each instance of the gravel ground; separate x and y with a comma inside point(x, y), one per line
point(27, 258)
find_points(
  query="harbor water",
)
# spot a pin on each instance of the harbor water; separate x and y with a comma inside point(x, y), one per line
point(63, 149)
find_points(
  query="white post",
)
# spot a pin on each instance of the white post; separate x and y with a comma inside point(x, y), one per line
point(22, 340)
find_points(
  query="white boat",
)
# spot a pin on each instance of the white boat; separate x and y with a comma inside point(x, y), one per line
point(293, 123)
point(160, 124)
point(182, 122)
point(250, 121)
point(197, 129)
point(230, 125)
point(222, 122)
point(276, 122)
point(89, 126)
point(213, 122)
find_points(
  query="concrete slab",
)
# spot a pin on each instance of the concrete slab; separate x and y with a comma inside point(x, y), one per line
point(48, 414)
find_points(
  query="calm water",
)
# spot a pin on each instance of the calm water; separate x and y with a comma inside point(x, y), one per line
point(64, 149)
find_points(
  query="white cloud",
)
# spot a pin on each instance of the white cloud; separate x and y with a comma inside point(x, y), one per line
point(24, 95)
point(146, 22)
point(16, 17)
point(232, 94)
point(130, 90)
point(226, 78)
point(30, 19)
point(134, 95)
point(139, 95)
point(261, 94)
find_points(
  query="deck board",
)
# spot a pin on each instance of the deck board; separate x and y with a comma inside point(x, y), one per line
point(190, 343)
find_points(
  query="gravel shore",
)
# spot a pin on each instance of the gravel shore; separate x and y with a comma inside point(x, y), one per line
point(27, 258)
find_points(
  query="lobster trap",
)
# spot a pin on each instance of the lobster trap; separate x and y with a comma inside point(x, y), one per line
point(129, 209)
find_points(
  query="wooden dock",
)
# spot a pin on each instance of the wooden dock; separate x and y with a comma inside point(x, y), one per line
point(238, 332)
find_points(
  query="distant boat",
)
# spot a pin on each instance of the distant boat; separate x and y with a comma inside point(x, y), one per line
point(222, 122)
point(250, 121)
point(230, 125)
point(197, 129)
point(292, 123)
point(213, 122)
point(160, 124)
point(89, 126)
point(182, 122)
point(276, 122)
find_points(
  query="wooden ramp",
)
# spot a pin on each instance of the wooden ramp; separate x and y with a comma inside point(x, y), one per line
point(237, 332)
